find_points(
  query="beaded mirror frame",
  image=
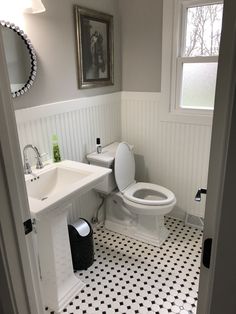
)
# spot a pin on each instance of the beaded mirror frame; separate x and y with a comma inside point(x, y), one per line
point(33, 58)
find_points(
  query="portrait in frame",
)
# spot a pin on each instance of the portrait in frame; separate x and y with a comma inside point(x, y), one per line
point(94, 32)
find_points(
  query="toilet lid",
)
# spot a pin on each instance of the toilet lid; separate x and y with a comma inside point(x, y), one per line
point(124, 166)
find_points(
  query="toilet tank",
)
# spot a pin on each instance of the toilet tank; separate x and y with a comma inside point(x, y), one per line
point(105, 159)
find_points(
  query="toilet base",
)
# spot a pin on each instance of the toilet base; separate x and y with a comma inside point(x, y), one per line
point(147, 229)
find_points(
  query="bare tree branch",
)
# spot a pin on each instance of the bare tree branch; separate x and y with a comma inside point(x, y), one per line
point(203, 30)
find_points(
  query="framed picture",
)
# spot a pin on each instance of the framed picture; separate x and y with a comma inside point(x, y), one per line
point(94, 32)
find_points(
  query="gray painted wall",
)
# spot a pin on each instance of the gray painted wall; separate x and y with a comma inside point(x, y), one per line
point(53, 35)
point(141, 44)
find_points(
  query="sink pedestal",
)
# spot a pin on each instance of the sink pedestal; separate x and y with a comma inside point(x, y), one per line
point(59, 283)
point(50, 194)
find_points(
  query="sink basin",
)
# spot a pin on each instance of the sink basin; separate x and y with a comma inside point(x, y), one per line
point(57, 181)
point(53, 181)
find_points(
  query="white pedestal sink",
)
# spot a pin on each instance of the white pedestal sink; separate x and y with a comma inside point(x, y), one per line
point(50, 195)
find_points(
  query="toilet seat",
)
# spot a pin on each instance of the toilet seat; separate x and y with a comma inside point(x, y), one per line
point(165, 196)
point(148, 210)
point(124, 166)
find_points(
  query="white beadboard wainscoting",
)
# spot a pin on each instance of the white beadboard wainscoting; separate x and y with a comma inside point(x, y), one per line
point(77, 123)
point(171, 154)
point(168, 153)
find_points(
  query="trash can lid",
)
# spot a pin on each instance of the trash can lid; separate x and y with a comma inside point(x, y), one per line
point(82, 227)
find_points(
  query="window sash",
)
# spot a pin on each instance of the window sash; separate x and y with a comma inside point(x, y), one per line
point(179, 79)
point(180, 26)
point(188, 4)
point(206, 59)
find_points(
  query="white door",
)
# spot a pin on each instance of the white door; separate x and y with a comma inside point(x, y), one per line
point(217, 290)
point(18, 263)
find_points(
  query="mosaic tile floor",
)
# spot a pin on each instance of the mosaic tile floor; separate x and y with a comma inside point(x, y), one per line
point(129, 276)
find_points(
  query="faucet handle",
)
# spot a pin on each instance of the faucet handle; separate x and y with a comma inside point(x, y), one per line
point(44, 155)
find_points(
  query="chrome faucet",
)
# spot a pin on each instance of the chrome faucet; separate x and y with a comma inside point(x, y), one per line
point(27, 166)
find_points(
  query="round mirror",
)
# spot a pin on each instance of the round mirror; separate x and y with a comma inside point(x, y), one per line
point(21, 58)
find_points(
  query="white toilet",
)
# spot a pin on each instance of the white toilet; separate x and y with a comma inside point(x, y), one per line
point(137, 209)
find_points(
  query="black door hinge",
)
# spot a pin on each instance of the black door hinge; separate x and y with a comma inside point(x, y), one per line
point(28, 226)
point(206, 256)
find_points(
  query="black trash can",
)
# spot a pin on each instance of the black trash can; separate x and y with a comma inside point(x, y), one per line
point(81, 243)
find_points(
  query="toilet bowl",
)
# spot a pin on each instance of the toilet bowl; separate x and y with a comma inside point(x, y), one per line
point(149, 199)
point(137, 209)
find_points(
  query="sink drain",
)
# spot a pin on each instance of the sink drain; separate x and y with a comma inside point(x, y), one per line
point(44, 198)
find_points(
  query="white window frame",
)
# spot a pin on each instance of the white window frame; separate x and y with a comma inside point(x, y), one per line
point(172, 45)
point(178, 61)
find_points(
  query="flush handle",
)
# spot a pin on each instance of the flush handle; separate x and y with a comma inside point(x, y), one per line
point(199, 193)
point(206, 257)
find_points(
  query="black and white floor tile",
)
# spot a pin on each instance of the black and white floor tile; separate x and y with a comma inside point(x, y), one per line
point(131, 277)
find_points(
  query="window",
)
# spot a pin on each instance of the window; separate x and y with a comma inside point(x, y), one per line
point(195, 68)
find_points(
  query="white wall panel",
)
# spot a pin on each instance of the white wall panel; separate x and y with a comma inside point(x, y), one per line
point(77, 123)
point(168, 153)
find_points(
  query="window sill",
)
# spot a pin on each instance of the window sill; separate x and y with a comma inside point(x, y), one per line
point(187, 116)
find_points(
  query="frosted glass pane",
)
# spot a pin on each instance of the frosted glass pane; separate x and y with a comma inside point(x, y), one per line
point(198, 85)
point(203, 30)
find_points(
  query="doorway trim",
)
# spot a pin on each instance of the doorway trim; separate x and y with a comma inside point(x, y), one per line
point(19, 260)
point(217, 286)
